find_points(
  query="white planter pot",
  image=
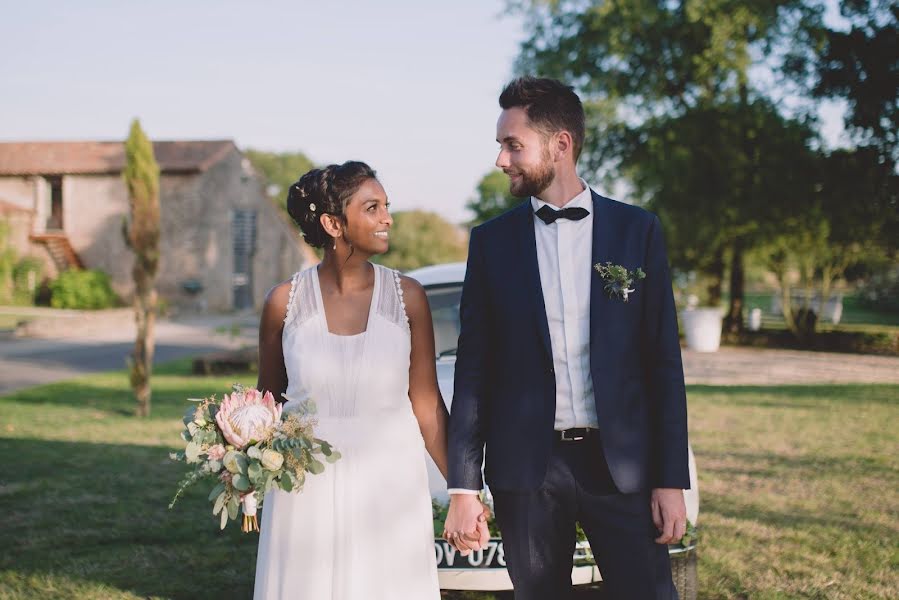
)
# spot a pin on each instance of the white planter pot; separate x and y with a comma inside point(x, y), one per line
point(702, 328)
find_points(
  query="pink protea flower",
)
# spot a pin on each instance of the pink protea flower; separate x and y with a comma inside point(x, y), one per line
point(216, 452)
point(247, 415)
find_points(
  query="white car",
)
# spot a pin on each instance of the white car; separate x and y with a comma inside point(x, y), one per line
point(486, 570)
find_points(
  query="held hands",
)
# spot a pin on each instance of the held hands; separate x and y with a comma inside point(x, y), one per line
point(669, 513)
point(466, 523)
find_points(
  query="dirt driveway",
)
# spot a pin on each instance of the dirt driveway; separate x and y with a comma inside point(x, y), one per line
point(754, 366)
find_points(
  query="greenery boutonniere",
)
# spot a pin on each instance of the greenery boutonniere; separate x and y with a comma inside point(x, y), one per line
point(618, 279)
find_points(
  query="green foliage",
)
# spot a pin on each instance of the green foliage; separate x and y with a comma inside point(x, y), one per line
point(729, 167)
point(88, 289)
point(419, 238)
point(860, 66)
point(141, 233)
point(279, 170)
point(493, 197)
point(7, 265)
point(27, 275)
point(142, 229)
point(881, 291)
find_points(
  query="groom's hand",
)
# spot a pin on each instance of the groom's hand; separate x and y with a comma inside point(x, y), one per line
point(466, 523)
point(669, 513)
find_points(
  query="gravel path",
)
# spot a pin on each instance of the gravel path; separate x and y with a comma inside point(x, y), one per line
point(754, 366)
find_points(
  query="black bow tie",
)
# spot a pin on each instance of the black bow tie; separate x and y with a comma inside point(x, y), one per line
point(548, 215)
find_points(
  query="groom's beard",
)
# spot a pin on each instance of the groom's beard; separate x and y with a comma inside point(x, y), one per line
point(533, 182)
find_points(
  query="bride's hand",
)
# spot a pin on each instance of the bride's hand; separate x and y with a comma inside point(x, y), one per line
point(466, 523)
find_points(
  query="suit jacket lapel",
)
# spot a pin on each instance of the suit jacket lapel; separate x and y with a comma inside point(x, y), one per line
point(603, 232)
point(532, 272)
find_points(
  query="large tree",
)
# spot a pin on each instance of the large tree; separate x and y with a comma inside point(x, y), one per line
point(493, 197)
point(638, 64)
point(141, 231)
point(419, 238)
point(861, 66)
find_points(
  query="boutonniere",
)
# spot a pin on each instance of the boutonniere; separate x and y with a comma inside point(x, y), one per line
point(618, 279)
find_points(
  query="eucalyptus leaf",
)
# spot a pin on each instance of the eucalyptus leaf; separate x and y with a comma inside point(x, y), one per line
point(315, 467)
point(254, 452)
point(219, 503)
point(233, 505)
point(333, 457)
point(326, 448)
point(186, 436)
point(235, 461)
point(216, 491)
point(223, 520)
point(286, 482)
point(241, 483)
point(254, 471)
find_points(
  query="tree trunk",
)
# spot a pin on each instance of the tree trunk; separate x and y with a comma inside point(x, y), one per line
point(733, 322)
point(145, 343)
point(717, 274)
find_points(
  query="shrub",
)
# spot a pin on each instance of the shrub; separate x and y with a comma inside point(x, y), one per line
point(26, 277)
point(881, 292)
point(82, 289)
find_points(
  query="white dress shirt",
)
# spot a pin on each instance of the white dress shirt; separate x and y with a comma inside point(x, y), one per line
point(564, 256)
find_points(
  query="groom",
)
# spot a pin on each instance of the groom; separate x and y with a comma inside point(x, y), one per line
point(576, 389)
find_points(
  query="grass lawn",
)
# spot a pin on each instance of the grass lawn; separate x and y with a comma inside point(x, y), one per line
point(855, 317)
point(797, 484)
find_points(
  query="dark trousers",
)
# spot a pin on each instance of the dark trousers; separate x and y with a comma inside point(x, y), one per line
point(538, 530)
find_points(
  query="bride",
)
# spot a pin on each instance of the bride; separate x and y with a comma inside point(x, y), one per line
point(357, 339)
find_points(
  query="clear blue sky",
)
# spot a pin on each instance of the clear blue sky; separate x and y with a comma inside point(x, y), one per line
point(408, 85)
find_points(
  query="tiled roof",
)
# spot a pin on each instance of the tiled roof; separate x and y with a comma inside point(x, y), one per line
point(89, 158)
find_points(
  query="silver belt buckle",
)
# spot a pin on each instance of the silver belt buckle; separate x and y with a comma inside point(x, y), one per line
point(572, 438)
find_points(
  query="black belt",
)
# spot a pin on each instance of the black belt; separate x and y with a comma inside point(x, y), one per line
point(575, 434)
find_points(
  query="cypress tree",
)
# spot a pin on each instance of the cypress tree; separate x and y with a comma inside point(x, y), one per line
point(141, 231)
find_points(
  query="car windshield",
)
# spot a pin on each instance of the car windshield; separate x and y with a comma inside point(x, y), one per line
point(444, 301)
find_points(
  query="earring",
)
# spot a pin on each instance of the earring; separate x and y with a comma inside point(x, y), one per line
point(335, 243)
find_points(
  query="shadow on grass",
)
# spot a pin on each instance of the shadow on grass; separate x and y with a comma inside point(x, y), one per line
point(797, 520)
point(774, 466)
point(110, 392)
point(82, 512)
point(800, 396)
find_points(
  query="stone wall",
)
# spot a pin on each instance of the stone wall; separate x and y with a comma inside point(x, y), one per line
point(196, 212)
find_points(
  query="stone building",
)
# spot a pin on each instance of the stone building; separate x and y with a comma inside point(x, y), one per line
point(223, 243)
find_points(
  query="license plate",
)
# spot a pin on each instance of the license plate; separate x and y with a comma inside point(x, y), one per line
point(491, 557)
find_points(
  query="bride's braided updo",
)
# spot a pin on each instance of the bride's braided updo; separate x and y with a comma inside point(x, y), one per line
point(324, 191)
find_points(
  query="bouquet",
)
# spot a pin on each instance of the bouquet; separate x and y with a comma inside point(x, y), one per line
point(249, 447)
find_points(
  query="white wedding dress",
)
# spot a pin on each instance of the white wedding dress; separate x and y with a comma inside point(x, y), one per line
point(363, 528)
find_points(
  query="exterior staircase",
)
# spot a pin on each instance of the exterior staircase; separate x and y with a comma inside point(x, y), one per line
point(59, 247)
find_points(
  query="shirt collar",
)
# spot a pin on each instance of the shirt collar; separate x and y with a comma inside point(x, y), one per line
point(583, 200)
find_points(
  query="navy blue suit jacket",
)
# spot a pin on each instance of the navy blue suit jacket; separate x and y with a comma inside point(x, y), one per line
point(505, 391)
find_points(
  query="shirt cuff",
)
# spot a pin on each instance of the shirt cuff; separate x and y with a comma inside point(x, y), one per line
point(452, 491)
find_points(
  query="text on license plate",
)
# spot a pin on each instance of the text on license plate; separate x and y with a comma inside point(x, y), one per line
point(491, 557)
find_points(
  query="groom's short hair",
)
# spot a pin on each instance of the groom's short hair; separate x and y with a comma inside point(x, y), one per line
point(550, 105)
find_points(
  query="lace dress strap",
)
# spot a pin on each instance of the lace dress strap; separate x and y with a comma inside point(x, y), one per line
point(391, 304)
point(301, 304)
